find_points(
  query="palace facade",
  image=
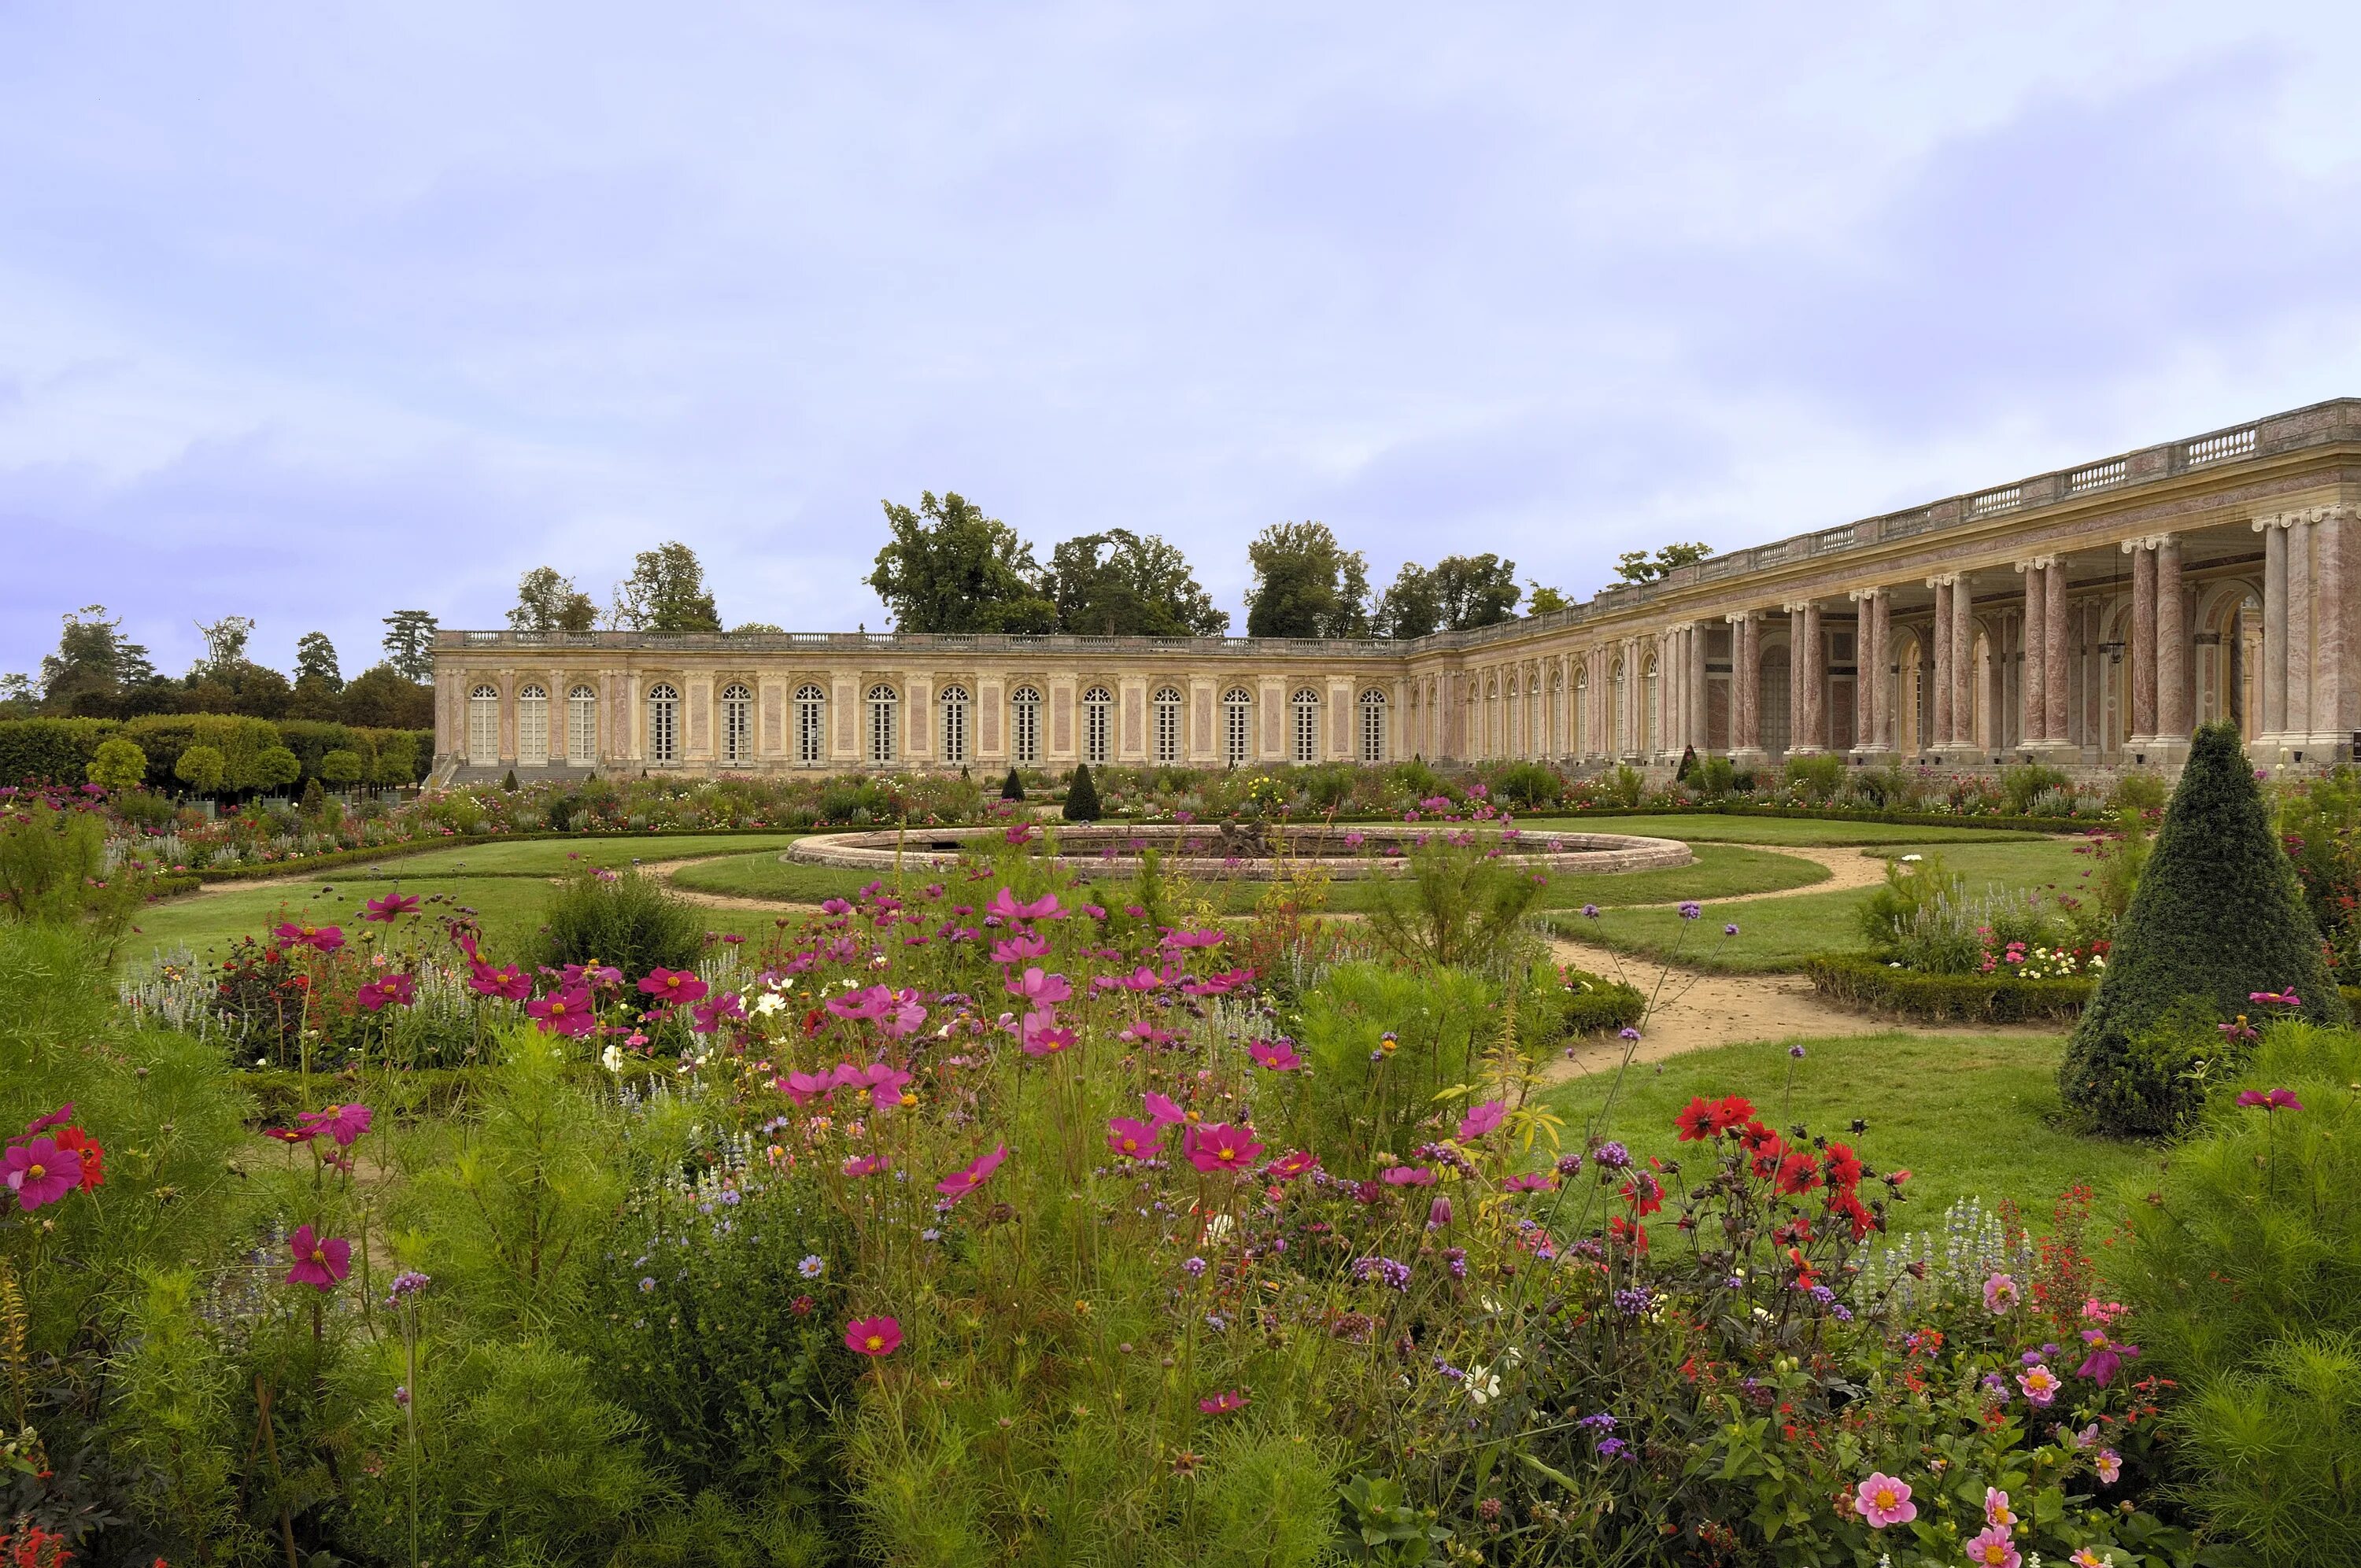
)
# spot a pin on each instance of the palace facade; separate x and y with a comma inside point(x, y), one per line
point(2090, 616)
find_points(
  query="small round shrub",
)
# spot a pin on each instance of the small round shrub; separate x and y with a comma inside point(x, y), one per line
point(200, 768)
point(118, 767)
point(340, 769)
point(622, 919)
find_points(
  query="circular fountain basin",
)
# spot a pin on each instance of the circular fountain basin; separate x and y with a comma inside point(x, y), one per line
point(1251, 851)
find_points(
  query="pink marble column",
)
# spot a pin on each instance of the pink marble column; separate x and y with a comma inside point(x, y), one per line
point(2301, 596)
point(2034, 689)
point(2275, 626)
point(1939, 731)
point(2330, 702)
point(2143, 641)
point(1816, 681)
point(1964, 665)
point(2057, 649)
point(1882, 617)
point(2172, 724)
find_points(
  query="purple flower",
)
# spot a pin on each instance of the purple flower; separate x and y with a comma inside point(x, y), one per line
point(1690, 909)
point(1634, 1302)
point(1613, 1156)
point(1731, 929)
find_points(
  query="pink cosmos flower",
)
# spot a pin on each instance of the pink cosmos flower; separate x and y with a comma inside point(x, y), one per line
point(868, 1003)
point(2000, 1294)
point(1993, 1548)
point(1141, 979)
point(320, 1261)
point(1218, 1145)
point(40, 1172)
point(803, 1088)
point(57, 1118)
point(394, 990)
point(322, 938)
point(867, 1165)
point(1531, 1181)
point(1134, 1139)
point(1407, 1175)
point(2273, 1099)
point(1884, 1500)
point(1142, 1032)
point(1996, 1511)
point(708, 1017)
point(1161, 1109)
point(593, 977)
point(1287, 1166)
point(563, 1012)
point(2041, 1384)
point(961, 1182)
point(672, 987)
point(2275, 998)
point(1039, 1038)
point(885, 1082)
point(344, 1124)
point(1208, 938)
point(1039, 989)
point(1223, 1404)
point(1279, 1056)
point(389, 908)
point(872, 1336)
point(2109, 1464)
point(1481, 1120)
point(1024, 945)
point(1010, 908)
point(2106, 1357)
point(508, 981)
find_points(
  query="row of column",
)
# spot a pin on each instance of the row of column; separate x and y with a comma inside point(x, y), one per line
point(2309, 700)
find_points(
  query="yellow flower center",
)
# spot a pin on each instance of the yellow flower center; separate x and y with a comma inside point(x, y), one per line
point(37, 1171)
point(1885, 1498)
point(875, 1341)
point(1226, 1154)
point(319, 1255)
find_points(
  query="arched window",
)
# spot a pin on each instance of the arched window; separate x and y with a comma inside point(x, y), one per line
point(1168, 726)
point(1237, 725)
point(1535, 744)
point(1024, 726)
point(1098, 710)
point(1648, 689)
point(1373, 726)
point(484, 726)
point(884, 706)
point(954, 713)
point(737, 724)
point(1618, 724)
point(664, 724)
point(811, 724)
point(582, 726)
point(1306, 703)
point(533, 727)
point(1582, 711)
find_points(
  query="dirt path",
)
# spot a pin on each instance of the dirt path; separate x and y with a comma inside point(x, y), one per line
point(1849, 866)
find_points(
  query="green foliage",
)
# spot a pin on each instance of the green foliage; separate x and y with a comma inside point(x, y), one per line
point(1012, 787)
point(50, 750)
point(508, 784)
point(547, 600)
point(947, 567)
point(2138, 791)
point(118, 765)
point(1594, 1004)
point(1382, 1041)
point(409, 644)
point(1386, 1527)
point(1716, 778)
point(1462, 591)
point(1903, 904)
point(2320, 826)
point(1454, 904)
point(340, 769)
point(1081, 796)
point(2245, 1272)
point(1625, 786)
point(2019, 786)
point(200, 768)
point(621, 920)
point(1873, 986)
point(275, 767)
point(53, 869)
point(1528, 787)
point(397, 762)
point(1306, 584)
point(1815, 777)
point(1638, 566)
point(2217, 915)
point(1121, 584)
point(2121, 860)
point(666, 592)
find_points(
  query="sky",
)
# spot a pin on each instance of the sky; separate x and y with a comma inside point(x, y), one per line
point(310, 314)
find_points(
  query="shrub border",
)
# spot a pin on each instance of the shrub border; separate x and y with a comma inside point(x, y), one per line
point(301, 865)
point(1863, 985)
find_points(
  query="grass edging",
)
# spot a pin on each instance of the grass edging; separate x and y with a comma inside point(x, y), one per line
point(1864, 985)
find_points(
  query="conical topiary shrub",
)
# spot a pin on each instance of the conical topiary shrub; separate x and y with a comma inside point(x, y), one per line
point(2217, 917)
point(1081, 796)
point(1012, 787)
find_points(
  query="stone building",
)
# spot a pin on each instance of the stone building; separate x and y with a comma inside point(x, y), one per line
point(2089, 617)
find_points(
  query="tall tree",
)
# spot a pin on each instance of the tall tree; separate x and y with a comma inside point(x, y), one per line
point(1638, 566)
point(950, 568)
point(1120, 584)
point(95, 666)
point(384, 697)
point(1542, 600)
point(1411, 607)
point(666, 592)
point(1476, 590)
point(410, 645)
point(548, 601)
point(225, 641)
point(315, 659)
point(1306, 584)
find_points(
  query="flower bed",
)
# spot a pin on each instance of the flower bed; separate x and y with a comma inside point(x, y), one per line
point(1852, 981)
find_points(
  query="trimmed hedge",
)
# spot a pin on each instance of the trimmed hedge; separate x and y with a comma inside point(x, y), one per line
point(60, 751)
point(1852, 981)
point(2218, 916)
point(1604, 1003)
point(305, 865)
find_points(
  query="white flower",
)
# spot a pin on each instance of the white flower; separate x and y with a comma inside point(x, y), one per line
point(768, 1002)
point(1911, 860)
point(1482, 1384)
point(1217, 1227)
point(611, 1059)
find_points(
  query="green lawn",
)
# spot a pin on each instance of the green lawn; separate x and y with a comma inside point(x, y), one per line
point(1967, 1116)
point(1778, 934)
point(1721, 871)
point(1703, 828)
point(549, 857)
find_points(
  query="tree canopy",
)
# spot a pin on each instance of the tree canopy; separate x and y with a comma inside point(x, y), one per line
point(315, 659)
point(1461, 591)
point(1121, 584)
point(949, 568)
point(1306, 584)
point(666, 592)
point(549, 601)
point(1638, 566)
point(409, 643)
point(95, 665)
